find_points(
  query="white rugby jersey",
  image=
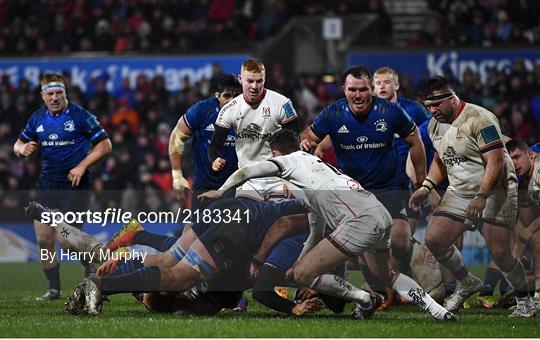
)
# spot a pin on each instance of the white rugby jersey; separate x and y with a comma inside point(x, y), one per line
point(460, 146)
point(329, 193)
point(255, 125)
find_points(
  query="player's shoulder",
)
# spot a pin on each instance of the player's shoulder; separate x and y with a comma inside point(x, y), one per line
point(337, 108)
point(39, 114)
point(385, 107)
point(276, 97)
point(78, 111)
point(233, 105)
point(205, 105)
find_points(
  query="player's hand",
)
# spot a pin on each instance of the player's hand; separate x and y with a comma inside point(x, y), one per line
point(254, 271)
point(434, 199)
point(307, 144)
point(308, 306)
point(287, 192)
point(107, 267)
point(475, 208)
point(28, 149)
point(180, 185)
point(419, 196)
point(212, 195)
point(76, 174)
point(306, 294)
point(218, 164)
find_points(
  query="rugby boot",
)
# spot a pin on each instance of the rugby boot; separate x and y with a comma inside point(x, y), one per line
point(524, 308)
point(50, 294)
point(124, 237)
point(93, 298)
point(363, 312)
point(465, 288)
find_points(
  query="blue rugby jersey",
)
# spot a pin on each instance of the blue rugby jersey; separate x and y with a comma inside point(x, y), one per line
point(365, 146)
point(64, 139)
point(200, 118)
point(419, 115)
point(263, 214)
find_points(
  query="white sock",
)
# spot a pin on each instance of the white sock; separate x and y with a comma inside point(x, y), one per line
point(336, 286)
point(411, 291)
point(79, 240)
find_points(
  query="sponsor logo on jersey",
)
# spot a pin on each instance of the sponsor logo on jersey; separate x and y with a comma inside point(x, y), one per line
point(228, 106)
point(362, 139)
point(381, 125)
point(253, 131)
point(266, 112)
point(459, 133)
point(40, 129)
point(343, 129)
point(450, 157)
point(69, 126)
point(210, 127)
point(53, 136)
point(289, 110)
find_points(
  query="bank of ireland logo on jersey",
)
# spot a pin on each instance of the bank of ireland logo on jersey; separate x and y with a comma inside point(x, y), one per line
point(381, 125)
point(69, 126)
point(53, 136)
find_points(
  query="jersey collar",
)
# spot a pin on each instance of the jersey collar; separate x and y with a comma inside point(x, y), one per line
point(255, 103)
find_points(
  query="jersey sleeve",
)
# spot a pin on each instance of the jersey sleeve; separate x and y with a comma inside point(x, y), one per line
point(321, 125)
point(225, 118)
point(91, 128)
point(485, 131)
point(29, 133)
point(403, 122)
point(287, 113)
point(193, 117)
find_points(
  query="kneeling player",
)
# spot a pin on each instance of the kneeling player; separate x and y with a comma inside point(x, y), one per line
point(360, 223)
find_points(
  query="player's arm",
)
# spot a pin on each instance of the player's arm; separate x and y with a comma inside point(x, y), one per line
point(436, 174)
point(417, 155)
point(99, 151)
point(218, 140)
point(179, 135)
point(24, 149)
point(257, 170)
point(280, 229)
point(494, 167)
point(308, 139)
point(316, 233)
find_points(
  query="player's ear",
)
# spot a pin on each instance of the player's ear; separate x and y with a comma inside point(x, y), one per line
point(217, 94)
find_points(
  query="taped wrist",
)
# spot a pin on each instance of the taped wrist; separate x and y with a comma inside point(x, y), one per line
point(429, 184)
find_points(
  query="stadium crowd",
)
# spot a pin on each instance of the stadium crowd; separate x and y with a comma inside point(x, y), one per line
point(480, 23)
point(63, 26)
point(139, 119)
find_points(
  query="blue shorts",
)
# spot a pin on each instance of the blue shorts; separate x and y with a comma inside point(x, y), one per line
point(286, 252)
point(394, 200)
point(55, 194)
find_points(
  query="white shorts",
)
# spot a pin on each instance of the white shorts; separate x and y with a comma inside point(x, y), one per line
point(262, 189)
point(501, 209)
point(368, 232)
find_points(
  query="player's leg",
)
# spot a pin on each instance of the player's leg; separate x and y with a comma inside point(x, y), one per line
point(440, 236)
point(499, 243)
point(311, 270)
point(46, 239)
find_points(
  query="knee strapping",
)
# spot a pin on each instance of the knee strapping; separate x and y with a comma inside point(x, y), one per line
point(199, 264)
point(177, 252)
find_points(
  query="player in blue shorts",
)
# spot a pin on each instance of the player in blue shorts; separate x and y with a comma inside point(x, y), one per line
point(198, 123)
point(63, 131)
point(204, 251)
point(362, 128)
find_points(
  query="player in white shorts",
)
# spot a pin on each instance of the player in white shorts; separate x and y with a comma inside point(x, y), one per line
point(482, 192)
point(255, 115)
point(527, 164)
point(359, 221)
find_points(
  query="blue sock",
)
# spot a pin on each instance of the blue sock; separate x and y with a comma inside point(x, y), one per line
point(53, 276)
point(126, 268)
point(493, 276)
point(159, 242)
point(449, 288)
point(146, 279)
point(372, 280)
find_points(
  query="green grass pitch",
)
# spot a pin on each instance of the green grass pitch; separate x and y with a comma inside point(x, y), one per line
point(22, 316)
